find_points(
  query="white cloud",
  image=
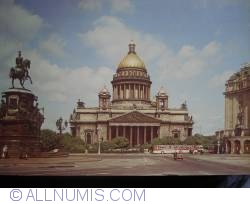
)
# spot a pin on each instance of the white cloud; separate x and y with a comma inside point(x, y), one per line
point(122, 6)
point(187, 51)
point(210, 50)
point(220, 79)
point(60, 84)
point(54, 45)
point(7, 48)
point(110, 36)
point(119, 6)
point(18, 27)
point(90, 5)
point(17, 22)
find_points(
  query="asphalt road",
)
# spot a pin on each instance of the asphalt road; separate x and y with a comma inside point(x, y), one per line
point(119, 165)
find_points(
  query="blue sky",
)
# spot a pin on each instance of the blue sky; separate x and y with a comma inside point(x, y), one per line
point(189, 47)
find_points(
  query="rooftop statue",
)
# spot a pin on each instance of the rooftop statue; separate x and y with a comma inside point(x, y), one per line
point(21, 70)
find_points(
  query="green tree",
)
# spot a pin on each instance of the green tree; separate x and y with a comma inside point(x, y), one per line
point(106, 145)
point(120, 142)
point(199, 139)
point(166, 141)
point(49, 139)
point(193, 141)
point(72, 144)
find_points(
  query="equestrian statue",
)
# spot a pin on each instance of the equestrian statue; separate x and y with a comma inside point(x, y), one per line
point(21, 71)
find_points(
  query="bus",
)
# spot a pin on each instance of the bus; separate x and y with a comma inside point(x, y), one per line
point(170, 149)
point(211, 149)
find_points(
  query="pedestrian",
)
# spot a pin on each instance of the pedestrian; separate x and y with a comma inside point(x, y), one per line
point(23, 154)
point(5, 152)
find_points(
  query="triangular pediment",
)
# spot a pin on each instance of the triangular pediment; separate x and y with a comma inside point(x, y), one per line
point(134, 117)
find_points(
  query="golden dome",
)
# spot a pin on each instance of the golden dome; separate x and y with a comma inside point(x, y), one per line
point(131, 60)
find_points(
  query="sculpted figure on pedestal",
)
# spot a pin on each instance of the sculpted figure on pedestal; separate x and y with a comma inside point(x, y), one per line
point(20, 71)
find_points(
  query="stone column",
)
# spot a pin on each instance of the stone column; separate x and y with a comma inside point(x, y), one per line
point(123, 131)
point(114, 92)
point(138, 135)
point(130, 136)
point(120, 88)
point(226, 148)
point(135, 93)
point(246, 117)
point(148, 92)
point(143, 95)
point(121, 92)
point(109, 134)
point(133, 89)
point(141, 91)
point(151, 133)
point(116, 131)
point(138, 91)
point(129, 88)
point(124, 91)
point(232, 147)
point(127, 91)
point(118, 91)
point(140, 95)
point(144, 136)
point(241, 147)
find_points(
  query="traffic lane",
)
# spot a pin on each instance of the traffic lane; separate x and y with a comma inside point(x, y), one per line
point(162, 166)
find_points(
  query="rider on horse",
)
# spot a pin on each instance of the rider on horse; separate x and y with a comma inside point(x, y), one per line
point(19, 60)
point(21, 65)
point(21, 70)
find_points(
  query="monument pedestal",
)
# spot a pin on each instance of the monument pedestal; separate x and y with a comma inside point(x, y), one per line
point(20, 122)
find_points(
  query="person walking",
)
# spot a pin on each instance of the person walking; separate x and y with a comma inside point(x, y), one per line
point(5, 152)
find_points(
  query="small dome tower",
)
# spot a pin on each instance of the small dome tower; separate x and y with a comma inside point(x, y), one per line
point(161, 100)
point(104, 99)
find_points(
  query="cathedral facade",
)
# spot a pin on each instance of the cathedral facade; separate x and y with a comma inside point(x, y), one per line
point(129, 112)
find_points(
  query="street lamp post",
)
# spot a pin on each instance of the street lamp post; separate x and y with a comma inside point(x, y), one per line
point(99, 141)
point(84, 133)
point(86, 144)
point(218, 146)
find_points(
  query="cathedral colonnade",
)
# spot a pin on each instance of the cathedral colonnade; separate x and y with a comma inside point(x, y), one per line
point(137, 134)
point(131, 91)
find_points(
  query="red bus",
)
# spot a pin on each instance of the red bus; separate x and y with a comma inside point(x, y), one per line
point(170, 149)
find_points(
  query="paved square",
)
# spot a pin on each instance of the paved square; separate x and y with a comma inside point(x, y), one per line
point(128, 164)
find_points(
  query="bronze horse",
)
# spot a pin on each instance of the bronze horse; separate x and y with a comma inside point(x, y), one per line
point(20, 73)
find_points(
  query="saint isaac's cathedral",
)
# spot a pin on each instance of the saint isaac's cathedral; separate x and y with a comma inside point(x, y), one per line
point(129, 111)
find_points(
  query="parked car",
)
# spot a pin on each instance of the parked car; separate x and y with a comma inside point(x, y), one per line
point(178, 156)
